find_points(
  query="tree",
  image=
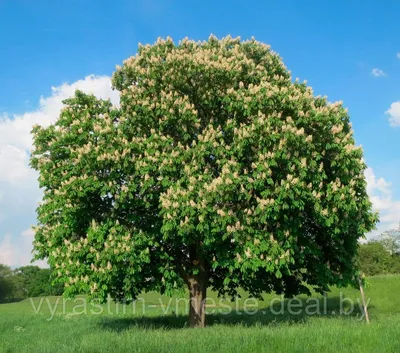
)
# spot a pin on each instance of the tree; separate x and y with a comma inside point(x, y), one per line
point(374, 259)
point(391, 240)
point(217, 170)
point(6, 283)
point(33, 281)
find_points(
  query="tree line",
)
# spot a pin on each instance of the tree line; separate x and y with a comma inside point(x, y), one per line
point(26, 282)
point(381, 255)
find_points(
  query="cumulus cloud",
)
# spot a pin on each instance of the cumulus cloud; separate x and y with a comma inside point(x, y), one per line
point(20, 255)
point(19, 191)
point(378, 72)
point(15, 131)
point(14, 165)
point(394, 114)
point(381, 195)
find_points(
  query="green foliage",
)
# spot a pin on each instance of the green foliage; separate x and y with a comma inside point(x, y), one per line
point(382, 255)
point(33, 281)
point(216, 169)
point(6, 283)
point(395, 264)
point(374, 259)
point(27, 281)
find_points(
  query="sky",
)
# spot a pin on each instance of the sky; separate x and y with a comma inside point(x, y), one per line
point(348, 50)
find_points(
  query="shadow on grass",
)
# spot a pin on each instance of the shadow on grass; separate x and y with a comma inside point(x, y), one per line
point(11, 300)
point(285, 311)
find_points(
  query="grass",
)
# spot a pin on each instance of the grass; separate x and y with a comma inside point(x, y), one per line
point(158, 324)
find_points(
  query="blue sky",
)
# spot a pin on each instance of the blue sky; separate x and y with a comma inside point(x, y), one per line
point(346, 50)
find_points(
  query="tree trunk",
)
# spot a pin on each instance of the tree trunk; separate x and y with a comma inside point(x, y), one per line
point(197, 298)
point(365, 307)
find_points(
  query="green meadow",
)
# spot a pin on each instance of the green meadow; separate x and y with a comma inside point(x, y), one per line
point(155, 323)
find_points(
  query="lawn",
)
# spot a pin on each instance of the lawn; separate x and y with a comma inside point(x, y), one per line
point(158, 324)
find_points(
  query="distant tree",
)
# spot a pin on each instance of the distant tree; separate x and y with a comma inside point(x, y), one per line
point(374, 259)
point(44, 286)
point(390, 239)
point(33, 281)
point(395, 264)
point(216, 171)
point(6, 283)
point(23, 277)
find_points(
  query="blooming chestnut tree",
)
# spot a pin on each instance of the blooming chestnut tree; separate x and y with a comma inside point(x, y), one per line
point(217, 171)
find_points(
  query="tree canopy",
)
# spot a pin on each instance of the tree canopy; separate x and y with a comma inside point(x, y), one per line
point(391, 240)
point(27, 281)
point(217, 170)
point(6, 284)
point(374, 259)
point(33, 281)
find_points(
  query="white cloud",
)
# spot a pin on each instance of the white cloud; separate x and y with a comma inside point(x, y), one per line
point(378, 72)
point(16, 131)
point(7, 251)
point(19, 254)
point(381, 195)
point(398, 55)
point(375, 184)
point(14, 164)
point(18, 183)
point(394, 114)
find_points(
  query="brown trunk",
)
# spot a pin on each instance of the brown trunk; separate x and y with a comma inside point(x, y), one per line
point(197, 298)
